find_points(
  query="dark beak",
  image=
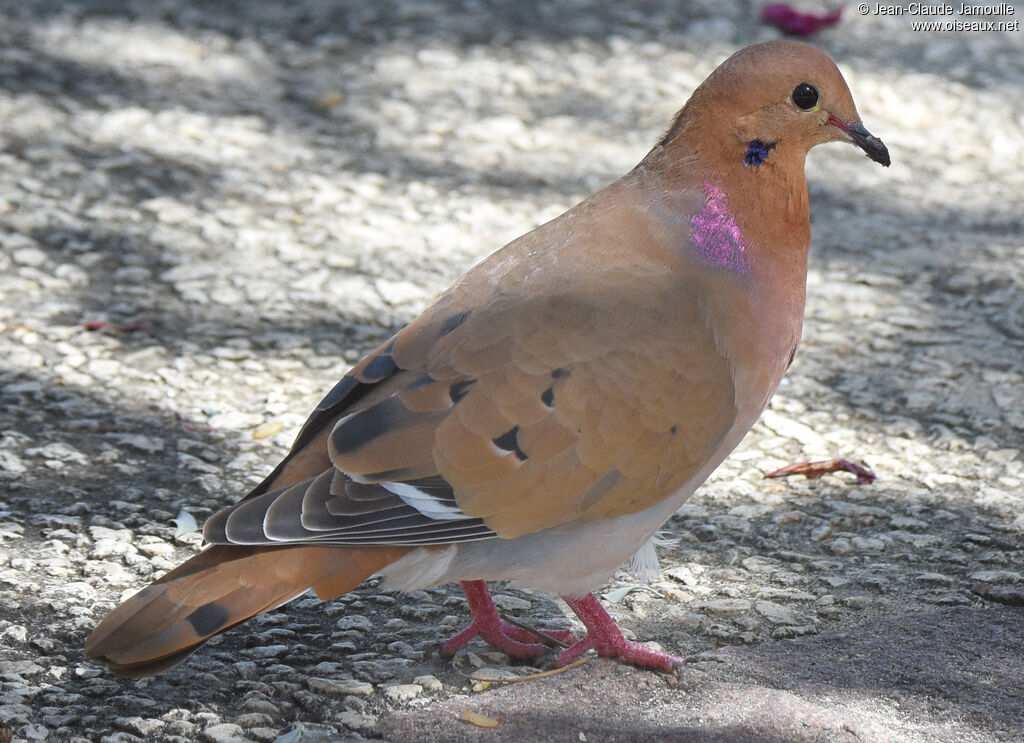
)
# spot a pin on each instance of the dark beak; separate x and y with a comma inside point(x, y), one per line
point(872, 145)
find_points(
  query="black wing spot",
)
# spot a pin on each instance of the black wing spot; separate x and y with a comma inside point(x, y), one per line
point(509, 441)
point(432, 482)
point(560, 373)
point(673, 430)
point(421, 382)
point(366, 425)
point(208, 618)
point(379, 367)
point(338, 392)
point(453, 322)
point(548, 397)
point(459, 389)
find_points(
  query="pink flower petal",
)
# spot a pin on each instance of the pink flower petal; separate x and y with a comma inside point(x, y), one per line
point(797, 23)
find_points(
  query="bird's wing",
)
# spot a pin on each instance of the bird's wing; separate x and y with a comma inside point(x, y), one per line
point(573, 376)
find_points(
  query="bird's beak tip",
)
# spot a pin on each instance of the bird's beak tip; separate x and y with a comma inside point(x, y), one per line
point(872, 145)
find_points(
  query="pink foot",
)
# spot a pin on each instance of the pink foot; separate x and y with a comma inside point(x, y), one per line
point(604, 636)
point(516, 642)
point(817, 469)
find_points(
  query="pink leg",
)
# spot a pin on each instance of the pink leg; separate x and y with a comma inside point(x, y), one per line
point(492, 629)
point(604, 636)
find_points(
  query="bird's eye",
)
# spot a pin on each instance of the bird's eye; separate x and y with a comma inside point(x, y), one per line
point(805, 96)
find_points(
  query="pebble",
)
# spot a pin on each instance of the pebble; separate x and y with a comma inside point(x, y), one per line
point(255, 720)
point(145, 444)
point(428, 682)
point(140, 726)
point(511, 603)
point(723, 606)
point(225, 732)
point(776, 613)
point(357, 720)
point(402, 693)
point(339, 687)
point(263, 652)
point(355, 622)
point(997, 576)
point(841, 546)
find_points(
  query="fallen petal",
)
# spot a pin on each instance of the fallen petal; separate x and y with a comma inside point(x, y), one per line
point(482, 721)
point(185, 523)
point(797, 23)
point(268, 429)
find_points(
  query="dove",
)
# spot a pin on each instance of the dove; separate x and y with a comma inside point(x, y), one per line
point(548, 413)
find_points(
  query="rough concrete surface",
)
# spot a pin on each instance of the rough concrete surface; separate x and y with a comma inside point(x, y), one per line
point(208, 211)
point(879, 682)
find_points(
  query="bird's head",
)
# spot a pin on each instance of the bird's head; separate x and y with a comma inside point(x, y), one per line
point(776, 100)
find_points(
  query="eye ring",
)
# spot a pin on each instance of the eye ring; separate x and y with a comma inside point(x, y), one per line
point(805, 96)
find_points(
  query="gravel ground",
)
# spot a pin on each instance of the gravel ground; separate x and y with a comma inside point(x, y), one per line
point(208, 211)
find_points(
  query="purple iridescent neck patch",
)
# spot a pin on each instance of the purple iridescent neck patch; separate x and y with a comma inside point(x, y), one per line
point(715, 234)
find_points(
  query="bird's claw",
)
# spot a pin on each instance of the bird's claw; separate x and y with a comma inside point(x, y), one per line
point(518, 642)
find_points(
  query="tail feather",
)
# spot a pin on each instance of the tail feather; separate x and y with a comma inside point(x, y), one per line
point(162, 624)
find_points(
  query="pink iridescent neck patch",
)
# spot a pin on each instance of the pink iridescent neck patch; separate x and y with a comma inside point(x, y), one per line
point(716, 235)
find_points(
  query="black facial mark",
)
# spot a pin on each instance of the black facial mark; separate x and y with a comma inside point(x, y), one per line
point(673, 430)
point(453, 322)
point(757, 152)
point(509, 441)
point(548, 397)
point(459, 389)
point(560, 373)
point(208, 618)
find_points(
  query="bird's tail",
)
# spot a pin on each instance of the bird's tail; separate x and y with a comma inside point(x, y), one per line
point(157, 628)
